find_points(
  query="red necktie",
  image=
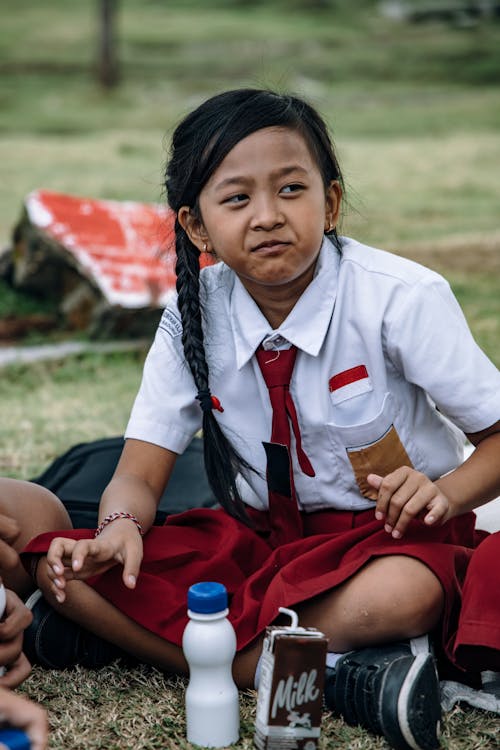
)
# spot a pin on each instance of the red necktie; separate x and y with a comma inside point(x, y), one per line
point(284, 516)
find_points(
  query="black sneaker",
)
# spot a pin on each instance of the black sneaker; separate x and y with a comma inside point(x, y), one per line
point(391, 690)
point(55, 642)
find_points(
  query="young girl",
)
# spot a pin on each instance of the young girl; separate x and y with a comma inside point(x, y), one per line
point(343, 489)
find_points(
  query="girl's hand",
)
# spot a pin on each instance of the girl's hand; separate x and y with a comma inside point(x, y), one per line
point(119, 543)
point(21, 713)
point(16, 619)
point(405, 494)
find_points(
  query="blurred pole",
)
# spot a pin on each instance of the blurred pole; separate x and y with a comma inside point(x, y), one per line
point(107, 69)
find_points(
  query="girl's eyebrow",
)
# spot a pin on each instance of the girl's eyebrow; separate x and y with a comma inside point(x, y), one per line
point(245, 179)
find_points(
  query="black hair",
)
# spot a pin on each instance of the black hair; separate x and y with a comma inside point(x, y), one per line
point(199, 144)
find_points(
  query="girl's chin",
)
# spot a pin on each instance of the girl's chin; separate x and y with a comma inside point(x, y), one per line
point(276, 281)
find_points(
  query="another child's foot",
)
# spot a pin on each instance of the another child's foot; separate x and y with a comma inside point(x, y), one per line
point(392, 690)
point(486, 698)
point(491, 683)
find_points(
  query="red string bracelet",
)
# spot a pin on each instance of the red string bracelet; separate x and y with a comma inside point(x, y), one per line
point(113, 517)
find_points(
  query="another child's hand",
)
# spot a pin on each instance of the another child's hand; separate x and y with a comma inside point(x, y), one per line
point(16, 619)
point(21, 713)
point(119, 543)
point(9, 531)
point(405, 494)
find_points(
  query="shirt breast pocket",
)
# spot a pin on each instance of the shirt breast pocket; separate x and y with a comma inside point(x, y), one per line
point(374, 447)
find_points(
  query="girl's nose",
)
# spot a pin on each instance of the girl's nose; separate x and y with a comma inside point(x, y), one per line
point(267, 214)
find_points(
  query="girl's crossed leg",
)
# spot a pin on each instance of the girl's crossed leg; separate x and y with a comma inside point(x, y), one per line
point(376, 606)
point(390, 598)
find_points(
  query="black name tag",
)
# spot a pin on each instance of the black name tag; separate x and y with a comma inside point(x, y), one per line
point(278, 468)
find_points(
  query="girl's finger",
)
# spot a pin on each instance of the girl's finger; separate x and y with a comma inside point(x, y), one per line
point(59, 550)
point(412, 508)
point(65, 574)
point(375, 480)
point(82, 550)
point(58, 589)
point(17, 672)
point(437, 510)
point(395, 489)
point(132, 559)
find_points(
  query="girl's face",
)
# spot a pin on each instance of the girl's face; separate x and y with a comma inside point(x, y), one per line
point(264, 212)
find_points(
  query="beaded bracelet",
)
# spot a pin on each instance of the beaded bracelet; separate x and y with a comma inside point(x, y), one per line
point(113, 517)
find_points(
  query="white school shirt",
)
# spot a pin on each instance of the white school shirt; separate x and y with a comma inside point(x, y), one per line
point(381, 341)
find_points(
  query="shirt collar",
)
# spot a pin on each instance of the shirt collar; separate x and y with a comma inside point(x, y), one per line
point(307, 323)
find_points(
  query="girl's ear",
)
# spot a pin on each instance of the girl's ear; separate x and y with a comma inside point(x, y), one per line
point(194, 228)
point(333, 199)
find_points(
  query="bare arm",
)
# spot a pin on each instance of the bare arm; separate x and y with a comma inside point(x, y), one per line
point(140, 477)
point(136, 487)
point(477, 480)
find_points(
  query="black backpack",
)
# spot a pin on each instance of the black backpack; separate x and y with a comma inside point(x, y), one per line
point(79, 477)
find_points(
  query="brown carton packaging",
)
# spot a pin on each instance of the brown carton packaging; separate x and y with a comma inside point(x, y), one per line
point(290, 697)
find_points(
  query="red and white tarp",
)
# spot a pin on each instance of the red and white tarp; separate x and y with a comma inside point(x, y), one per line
point(127, 249)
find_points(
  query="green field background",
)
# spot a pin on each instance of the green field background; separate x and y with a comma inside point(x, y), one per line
point(415, 113)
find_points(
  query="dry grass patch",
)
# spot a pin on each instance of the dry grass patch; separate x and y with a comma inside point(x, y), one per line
point(118, 708)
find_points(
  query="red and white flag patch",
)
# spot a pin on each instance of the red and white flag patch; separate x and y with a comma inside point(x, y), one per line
point(349, 383)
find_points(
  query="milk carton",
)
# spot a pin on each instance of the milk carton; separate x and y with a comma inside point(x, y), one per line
point(290, 696)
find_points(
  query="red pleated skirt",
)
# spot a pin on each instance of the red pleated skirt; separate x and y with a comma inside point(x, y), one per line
point(209, 545)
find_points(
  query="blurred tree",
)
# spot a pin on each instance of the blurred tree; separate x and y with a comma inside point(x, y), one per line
point(107, 67)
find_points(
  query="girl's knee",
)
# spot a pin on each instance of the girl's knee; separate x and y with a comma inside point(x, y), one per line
point(42, 500)
point(387, 600)
point(34, 508)
point(57, 516)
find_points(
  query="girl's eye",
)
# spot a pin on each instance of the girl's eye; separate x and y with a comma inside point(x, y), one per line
point(236, 198)
point(294, 188)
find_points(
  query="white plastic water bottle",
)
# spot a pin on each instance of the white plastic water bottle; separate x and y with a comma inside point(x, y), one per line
point(209, 644)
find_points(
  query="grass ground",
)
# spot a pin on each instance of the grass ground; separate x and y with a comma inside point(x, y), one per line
point(415, 113)
point(140, 708)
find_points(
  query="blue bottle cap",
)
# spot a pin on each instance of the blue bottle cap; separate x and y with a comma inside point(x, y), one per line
point(207, 597)
point(14, 739)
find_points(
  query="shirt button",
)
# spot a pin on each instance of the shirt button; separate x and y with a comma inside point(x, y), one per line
point(273, 342)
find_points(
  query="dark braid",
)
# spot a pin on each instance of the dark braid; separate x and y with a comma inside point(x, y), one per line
point(218, 451)
point(199, 145)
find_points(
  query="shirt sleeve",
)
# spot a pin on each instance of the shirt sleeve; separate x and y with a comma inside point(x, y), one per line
point(165, 411)
point(429, 341)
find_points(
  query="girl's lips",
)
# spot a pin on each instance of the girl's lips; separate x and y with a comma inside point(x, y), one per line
point(270, 246)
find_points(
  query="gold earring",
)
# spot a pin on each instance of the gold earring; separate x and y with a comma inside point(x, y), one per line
point(205, 248)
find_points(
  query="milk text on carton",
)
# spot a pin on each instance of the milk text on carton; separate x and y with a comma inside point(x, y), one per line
point(290, 693)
